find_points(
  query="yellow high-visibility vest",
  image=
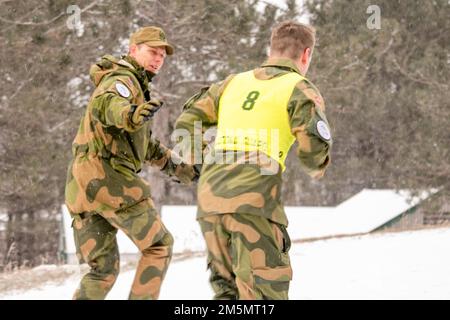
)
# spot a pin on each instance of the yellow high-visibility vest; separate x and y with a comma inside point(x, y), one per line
point(253, 115)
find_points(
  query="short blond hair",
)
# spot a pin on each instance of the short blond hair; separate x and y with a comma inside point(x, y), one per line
point(289, 39)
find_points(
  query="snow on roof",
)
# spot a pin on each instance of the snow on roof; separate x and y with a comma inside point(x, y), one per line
point(362, 213)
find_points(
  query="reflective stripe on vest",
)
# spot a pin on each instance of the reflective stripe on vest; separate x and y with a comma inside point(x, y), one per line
point(253, 115)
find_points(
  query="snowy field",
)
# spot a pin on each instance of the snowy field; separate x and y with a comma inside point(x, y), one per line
point(406, 265)
point(363, 213)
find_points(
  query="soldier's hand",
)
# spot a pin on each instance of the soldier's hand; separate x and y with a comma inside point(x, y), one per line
point(144, 112)
point(186, 173)
point(180, 171)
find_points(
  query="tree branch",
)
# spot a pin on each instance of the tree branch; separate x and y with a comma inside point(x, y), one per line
point(29, 23)
point(417, 78)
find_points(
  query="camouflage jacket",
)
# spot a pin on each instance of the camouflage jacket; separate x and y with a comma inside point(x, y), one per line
point(241, 188)
point(108, 150)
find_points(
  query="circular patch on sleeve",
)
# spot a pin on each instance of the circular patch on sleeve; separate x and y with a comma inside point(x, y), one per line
point(122, 90)
point(323, 130)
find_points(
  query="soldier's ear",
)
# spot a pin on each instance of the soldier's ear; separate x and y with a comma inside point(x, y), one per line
point(132, 50)
point(306, 56)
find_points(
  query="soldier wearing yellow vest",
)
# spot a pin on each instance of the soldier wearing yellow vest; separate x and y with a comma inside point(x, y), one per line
point(259, 114)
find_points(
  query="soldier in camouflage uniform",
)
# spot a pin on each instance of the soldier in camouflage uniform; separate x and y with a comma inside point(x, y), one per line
point(103, 191)
point(239, 207)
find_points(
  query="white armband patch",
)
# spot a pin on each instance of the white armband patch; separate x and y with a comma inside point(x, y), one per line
point(122, 89)
point(323, 130)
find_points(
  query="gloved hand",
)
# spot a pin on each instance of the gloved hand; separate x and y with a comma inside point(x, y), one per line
point(144, 112)
point(184, 173)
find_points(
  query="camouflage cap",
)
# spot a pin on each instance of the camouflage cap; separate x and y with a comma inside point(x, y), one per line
point(151, 36)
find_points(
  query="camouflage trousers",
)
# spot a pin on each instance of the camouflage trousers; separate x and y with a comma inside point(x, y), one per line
point(247, 256)
point(95, 240)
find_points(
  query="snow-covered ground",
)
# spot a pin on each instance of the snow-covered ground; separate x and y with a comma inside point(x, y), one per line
point(364, 212)
point(406, 265)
